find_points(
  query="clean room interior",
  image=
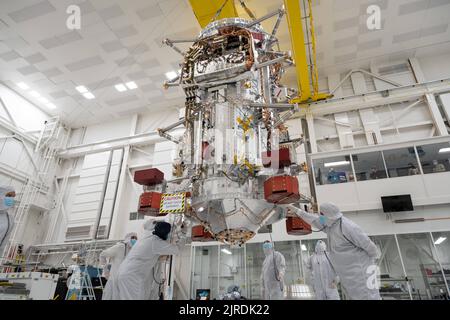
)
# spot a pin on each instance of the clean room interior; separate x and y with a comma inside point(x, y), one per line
point(93, 95)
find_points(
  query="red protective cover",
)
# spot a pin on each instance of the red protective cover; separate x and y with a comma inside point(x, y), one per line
point(149, 203)
point(200, 234)
point(297, 226)
point(148, 177)
point(284, 158)
point(281, 189)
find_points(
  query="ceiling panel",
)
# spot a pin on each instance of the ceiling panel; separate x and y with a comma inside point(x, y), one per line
point(121, 41)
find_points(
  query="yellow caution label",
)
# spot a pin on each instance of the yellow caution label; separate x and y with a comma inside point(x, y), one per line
point(173, 203)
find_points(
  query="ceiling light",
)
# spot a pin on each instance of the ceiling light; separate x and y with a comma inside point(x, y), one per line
point(444, 150)
point(89, 95)
point(226, 251)
point(337, 164)
point(120, 87)
point(171, 75)
point(81, 89)
point(51, 106)
point(35, 94)
point(304, 248)
point(131, 85)
point(43, 100)
point(440, 240)
point(23, 85)
point(201, 209)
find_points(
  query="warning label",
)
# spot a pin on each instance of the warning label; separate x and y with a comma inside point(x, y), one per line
point(173, 203)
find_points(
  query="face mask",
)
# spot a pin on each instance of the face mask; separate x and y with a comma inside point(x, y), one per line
point(9, 201)
point(133, 242)
point(323, 220)
point(267, 245)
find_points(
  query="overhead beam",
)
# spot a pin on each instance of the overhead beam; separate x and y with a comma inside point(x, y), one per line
point(374, 99)
point(294, 19)
point(206, 10)
point(106, 145)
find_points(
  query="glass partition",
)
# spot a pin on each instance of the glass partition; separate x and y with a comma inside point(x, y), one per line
point(441, 241)
point(333, 170)
point(369, 166)
point(255, 258)
point(393, 281)
point(232, 270)
point(421, 263)
point(401, 162)
point(205, 272)
point(434, 158)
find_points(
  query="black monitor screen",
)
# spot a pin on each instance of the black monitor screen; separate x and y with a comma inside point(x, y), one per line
point(397, 203)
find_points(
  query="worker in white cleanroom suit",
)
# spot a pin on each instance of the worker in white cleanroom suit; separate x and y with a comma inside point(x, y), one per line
point(136, 271)
point(155, 280)
point(352, 253)
point(324, 278)
point(272, 275)
point(113, 257)
point(7, 195)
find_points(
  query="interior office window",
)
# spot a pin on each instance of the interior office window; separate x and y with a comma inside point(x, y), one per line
point(369, 166)
point(434, 158)
point(401, 162)
point(333, 170)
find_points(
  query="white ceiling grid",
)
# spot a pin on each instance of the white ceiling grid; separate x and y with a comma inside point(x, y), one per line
point(120, 41)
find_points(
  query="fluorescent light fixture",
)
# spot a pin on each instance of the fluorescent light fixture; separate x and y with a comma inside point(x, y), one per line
point(51, 106)
point(23, 86)
point(131, 85)
point(89, 95)
point(304, 248)
point(43, 100)
point(120, 87)
point(336, 164)
point(35, 94)
point(81, 89)
point(226, 251)
point(171, 75)
point(440, 240)
point(444, 150)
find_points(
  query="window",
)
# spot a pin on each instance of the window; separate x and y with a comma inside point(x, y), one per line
point(401, 162)
point(369, 166)
point(136, 216)
point(434, 158)
point(421, 264)
point(333, 170)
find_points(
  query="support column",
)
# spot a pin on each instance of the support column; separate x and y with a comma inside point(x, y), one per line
point(116, 227)
point(311, 132)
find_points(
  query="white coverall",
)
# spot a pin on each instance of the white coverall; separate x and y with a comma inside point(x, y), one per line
point(116, 254)
point(136, 271)
point(274, 266)
point(352, 253)
point(324, 278)
point(6, 222)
